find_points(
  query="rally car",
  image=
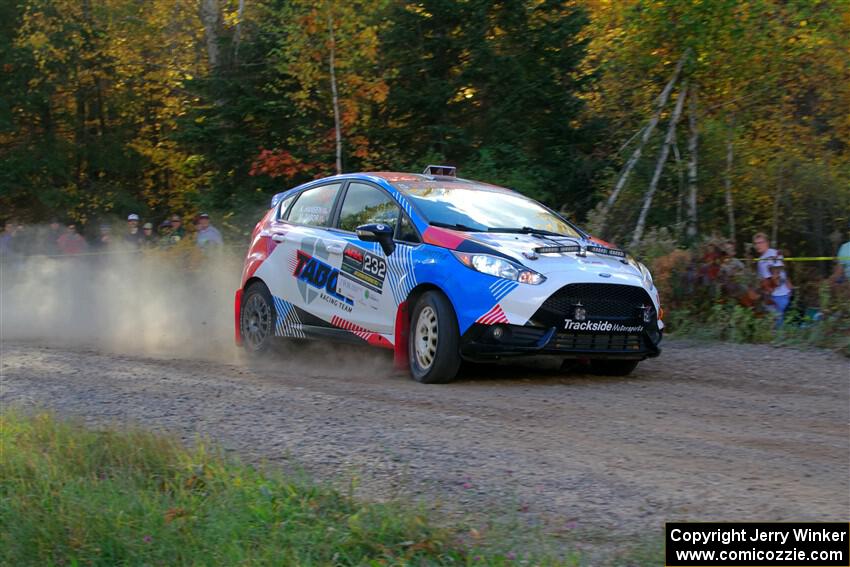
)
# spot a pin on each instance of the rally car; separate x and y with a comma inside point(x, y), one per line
point(442, 269)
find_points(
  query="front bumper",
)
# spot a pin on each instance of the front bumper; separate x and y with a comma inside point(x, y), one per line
point(487, 342)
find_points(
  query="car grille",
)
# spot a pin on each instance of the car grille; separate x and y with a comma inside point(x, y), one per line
point(605, 301)
point(596, 342)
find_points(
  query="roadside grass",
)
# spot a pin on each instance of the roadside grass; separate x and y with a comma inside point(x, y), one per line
point(70, 495)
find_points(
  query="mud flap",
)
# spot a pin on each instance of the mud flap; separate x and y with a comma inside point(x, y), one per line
point(237, 312)
point(401, 361)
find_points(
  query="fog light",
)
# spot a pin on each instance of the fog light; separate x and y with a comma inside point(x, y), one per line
point(498, 332)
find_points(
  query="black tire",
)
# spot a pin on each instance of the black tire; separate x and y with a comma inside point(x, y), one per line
point(437, 359)
point(257, 319)
point(613, 367)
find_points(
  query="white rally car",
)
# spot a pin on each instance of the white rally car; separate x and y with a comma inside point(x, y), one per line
point(442, 269)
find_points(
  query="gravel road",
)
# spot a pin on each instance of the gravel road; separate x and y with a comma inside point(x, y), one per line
point(705, 432)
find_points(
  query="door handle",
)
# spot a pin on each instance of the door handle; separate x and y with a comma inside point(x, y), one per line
point(335, 248)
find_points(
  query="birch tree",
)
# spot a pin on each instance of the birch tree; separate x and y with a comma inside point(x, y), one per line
point(659, 165)
point(727, 179)
point(211, 20)
point(660, 102)
point(693, 139)
point(334, 93)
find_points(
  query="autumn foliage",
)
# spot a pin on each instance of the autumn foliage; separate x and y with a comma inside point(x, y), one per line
point(159, 107)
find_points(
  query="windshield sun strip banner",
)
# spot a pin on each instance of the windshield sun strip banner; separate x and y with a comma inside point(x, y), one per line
point(577, 248)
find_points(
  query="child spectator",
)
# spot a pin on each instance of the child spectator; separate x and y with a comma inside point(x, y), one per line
point(774, 280)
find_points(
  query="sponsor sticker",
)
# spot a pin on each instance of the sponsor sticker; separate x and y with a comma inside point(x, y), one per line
point(321, 276)
point(357, 292)
point(600, 326)
point(367, 268)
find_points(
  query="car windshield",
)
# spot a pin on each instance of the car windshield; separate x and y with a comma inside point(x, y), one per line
point(478, 208)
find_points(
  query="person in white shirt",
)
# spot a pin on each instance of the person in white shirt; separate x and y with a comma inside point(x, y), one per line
point(774, 280)
point(841, 275)
point(208, 235)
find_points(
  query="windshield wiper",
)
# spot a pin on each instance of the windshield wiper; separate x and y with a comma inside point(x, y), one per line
point(526, 230)
point(456, 226)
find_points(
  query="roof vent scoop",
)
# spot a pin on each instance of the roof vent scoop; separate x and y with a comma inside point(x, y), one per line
point(440, 170)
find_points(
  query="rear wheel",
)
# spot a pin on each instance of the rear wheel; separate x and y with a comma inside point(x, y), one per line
point(256, 319)
point(433, 343)
point(613, 367)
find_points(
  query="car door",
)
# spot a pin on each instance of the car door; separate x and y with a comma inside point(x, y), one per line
point(307, 257)
point(364, 273)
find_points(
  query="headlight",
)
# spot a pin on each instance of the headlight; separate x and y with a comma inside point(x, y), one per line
point(644, 271)
point(499, 267)
point(647, 276)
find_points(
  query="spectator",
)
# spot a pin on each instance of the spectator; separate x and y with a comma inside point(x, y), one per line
point(177, 231)
point(104, 238)
point(774, 281)
point(50, 238)
point(133, 235)
point(841, 275)
point(165, 234)
point(71, 242)
point(7, 239)
point(208, 235)
point(147, 238)
point(732, 274)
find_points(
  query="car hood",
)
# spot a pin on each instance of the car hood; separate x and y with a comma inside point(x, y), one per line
point(521, 248)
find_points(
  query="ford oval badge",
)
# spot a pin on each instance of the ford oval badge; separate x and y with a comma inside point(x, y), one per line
point(604, 275)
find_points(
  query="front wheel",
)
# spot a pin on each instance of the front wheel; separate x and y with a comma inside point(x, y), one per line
point(434, 339)
point(256, 319)
point(613, 367)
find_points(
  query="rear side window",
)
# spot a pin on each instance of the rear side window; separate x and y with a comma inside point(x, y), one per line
point(284, 206)
point(365, 204)
point(314, 206)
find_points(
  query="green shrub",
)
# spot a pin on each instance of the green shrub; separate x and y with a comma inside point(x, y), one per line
point(73, 496)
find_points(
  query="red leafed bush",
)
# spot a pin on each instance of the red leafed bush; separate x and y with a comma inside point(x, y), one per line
point(279, 163)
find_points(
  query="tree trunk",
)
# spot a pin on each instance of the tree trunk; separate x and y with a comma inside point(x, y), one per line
point(237, 35)
point(211, 19)
point(335, 96)
point(727, 180)
point(659, 165)
point(692, 166)
point(660, 102)
point(681, 187)
point(774, 231)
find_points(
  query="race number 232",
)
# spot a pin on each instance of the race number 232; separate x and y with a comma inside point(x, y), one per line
point(375, 266)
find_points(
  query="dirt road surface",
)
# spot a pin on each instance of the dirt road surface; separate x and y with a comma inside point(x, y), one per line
point(706, 432)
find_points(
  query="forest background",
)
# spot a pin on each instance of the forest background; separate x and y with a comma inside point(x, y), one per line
point(667, 121)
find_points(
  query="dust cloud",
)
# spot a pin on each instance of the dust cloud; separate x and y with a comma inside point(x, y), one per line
point(161, 303)
point(175, 302)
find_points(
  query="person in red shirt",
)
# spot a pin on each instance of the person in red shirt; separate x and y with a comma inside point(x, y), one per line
point(71, 242)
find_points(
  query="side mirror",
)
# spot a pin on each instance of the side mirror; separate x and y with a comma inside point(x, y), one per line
point(380, 233)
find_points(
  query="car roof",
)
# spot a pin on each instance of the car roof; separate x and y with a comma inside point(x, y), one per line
point(406, 181)
point(401, 181)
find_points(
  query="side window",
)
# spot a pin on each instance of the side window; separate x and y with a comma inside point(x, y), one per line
point(365, 204)
point(314, 206)
point(406, 232)
point(284, 206)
